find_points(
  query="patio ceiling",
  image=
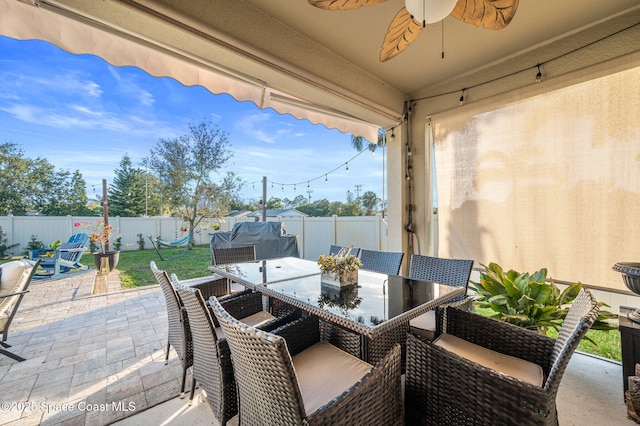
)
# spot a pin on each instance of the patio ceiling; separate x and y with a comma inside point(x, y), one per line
point(317, 64)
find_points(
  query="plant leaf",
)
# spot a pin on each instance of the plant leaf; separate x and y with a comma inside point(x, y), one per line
point(569, 294)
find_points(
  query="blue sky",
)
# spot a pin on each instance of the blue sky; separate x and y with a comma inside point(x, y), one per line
point(82, 113)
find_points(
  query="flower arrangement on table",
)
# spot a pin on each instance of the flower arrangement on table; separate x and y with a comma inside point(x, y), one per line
point(343, 266)
point(100, 233)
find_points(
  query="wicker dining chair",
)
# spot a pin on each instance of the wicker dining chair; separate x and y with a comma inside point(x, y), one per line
point(179, 333)
point(454, 272)
point(222, 255)
point(209, 344)
point(336, 249)
point(386, 262)
point(481, 371)
point(290, 377)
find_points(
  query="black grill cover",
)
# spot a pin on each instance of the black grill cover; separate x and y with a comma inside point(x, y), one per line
point(268, 237)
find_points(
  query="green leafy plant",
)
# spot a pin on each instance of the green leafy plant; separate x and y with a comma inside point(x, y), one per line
point(141, 241)
point(34, 244)
point(529, 301)
point(4, 248)
point(118, 243)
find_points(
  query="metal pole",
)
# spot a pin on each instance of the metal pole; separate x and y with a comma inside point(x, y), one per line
point(105, 209)
point(264, 198)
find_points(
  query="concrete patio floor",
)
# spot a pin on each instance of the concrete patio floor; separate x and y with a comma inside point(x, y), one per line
point(96, 360)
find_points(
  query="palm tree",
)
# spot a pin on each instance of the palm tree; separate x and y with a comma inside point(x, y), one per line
point(357, 142)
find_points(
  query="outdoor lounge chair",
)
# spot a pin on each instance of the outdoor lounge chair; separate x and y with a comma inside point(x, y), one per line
point(289, 376)
point(386, 262)
point(455, 272)
point(64, 259)
point(481, 371)
point(212, 367)
point(15, 277)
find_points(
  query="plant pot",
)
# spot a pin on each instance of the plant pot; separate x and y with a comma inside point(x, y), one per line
point(349, 277)
point(340, 279)
point(112, 256)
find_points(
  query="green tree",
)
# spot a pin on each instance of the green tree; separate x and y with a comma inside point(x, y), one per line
point(185, 165)
point(34, 184)
point(275, 203)
point(63, 193)
point(128, 192)
point(299, 200)
point(369, 201)
point(359, 143)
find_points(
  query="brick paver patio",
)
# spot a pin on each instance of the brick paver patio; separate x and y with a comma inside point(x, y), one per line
point(90, 359)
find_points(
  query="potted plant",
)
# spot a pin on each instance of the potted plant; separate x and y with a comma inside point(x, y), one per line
point(529, 301)
point(101, 235)
point(340, 268)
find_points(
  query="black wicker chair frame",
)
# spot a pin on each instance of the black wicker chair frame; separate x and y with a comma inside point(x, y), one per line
point(210, 354)
point(179, 333)
point(455, 272)
point(220, 256)
point(443, 388)
point(441, 270)
point(269, 393)
point(386, 262)
point(336, 249)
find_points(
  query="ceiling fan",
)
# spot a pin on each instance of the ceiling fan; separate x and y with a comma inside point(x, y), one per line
point(416, 14)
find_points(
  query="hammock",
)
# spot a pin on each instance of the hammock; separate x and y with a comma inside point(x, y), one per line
point(182, 242)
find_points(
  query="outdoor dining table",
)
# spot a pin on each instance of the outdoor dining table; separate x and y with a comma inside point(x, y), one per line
point(365, 319)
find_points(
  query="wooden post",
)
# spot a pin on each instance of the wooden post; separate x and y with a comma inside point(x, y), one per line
point(105, 209)
point(264, 198)
point(100, 282)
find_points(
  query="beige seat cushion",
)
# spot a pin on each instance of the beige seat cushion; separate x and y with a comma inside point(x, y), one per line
point(11, 274)
point(508, 365)
point(255, 320)
point(424, 325)
point(324, 372)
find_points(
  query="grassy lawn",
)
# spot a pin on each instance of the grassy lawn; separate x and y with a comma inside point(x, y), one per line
point(134, 265)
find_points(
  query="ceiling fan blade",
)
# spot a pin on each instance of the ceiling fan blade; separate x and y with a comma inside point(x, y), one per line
point(490, 14)
point(402, 31)
point(343, 4)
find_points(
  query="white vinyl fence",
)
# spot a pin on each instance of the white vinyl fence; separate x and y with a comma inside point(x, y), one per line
point(315, 234)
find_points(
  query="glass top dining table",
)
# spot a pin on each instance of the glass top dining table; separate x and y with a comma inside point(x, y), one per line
point(378, 305)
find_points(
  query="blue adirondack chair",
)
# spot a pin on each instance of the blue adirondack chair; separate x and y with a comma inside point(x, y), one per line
point(65, 258)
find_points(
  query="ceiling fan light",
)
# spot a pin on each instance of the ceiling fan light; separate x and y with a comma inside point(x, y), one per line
point(430, 11)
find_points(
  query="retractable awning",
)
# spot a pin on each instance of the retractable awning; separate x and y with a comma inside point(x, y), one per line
point(81, 34)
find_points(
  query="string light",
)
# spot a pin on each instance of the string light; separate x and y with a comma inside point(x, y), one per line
point(538, 66)
point(393, 136)
point(308, 181)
